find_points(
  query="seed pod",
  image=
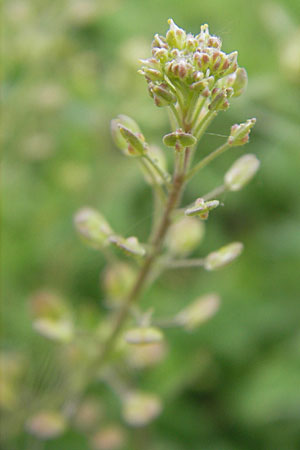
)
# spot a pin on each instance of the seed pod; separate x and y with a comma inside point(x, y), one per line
point(46, 425)
point(202, 208)
point(140, 408)
point(184, 236)
point(135, 141)
point(143, 335)
point(57, 330)
point(118, 279)
point(223, 256)
point(179, 139)
point(129, 246)
point(146, 355)
point(118, 139)
point(92, 227)
point(241, 172)
point(199, 311)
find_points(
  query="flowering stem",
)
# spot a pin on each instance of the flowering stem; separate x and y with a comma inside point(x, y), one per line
point(157, 241)
point(205, 161)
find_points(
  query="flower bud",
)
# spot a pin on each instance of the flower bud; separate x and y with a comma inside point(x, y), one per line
point(143, 335)
point(151, 74)
point(239, 134)
point(140, 408)
point(93, 227)
point(241, 172)
point(184, 236)
point(202, 208)
point(162, 95)
point(159, 41)
point(129, 246)
point(214, 42)
point(219, 102)
point(199, 311)
point(46, 425)
point(240, 82)
point(118, 139)
point(176, 36)
point(230, 64)
point(135, 141)
point(223, 256)
point(179, 139)
point(200, 85)
point(118, 280)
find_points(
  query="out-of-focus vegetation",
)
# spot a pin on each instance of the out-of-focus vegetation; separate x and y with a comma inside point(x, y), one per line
point(71, 66)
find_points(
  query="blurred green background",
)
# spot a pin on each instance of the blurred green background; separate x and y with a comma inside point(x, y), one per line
point(70, 67)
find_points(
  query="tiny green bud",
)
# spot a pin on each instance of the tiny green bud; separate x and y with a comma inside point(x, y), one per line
point(93, 228)
point(179, 139)
point(199, 311)
point(239, 134)
point(162, 95)
point(223, 256)
point(118, 139)
point(202, 208)
point(184, 236)
point(200, 85)
point(240, 82)
point(140, 408)
point(46, 425)
point(219, 102)
point(135, 141)
point(129, 246)
point(151, 74)
point(176, 36)
point(241, 172)
point(143, 335)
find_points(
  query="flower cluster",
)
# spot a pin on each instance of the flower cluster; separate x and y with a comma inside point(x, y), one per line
point(182, 63)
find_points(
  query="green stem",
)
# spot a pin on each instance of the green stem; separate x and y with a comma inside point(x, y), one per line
point(205, 161)
point(203, 124)
point(215, 192)
point(156, 185)
point(164, 175)
point(175, 114)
